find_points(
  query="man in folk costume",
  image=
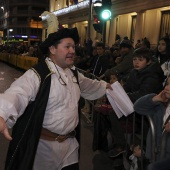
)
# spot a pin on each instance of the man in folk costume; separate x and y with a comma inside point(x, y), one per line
point(42, 108)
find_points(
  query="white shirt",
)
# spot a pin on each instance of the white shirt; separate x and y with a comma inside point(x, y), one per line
point(61, 114)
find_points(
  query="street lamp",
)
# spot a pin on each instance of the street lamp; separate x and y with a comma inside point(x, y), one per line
point(8, 35)
point(97, 4)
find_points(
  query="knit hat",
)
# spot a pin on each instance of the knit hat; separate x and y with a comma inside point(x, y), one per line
point(56, 36)
point(126, 43)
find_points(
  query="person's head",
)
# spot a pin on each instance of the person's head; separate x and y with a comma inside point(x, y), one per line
point(164, 46)
point(114, 77)
point(142, 57)
point(145, 43)
point(125, 46)
point(60, 46)
point(100, 47)
point(116, 52)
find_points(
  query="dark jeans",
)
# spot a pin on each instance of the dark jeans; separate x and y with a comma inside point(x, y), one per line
point(163, 164)
point(116, 130)
point(72, 167)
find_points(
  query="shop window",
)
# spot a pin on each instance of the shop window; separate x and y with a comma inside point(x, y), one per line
point(165, 24)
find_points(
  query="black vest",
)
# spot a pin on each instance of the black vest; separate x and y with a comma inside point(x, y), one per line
point(26, 131)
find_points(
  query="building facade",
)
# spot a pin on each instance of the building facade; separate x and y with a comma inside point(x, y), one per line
point(20, 21)
point(135, 19)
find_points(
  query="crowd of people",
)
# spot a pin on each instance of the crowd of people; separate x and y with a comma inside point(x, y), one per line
point(42, 105)
point(20, 48)
point(141, 71)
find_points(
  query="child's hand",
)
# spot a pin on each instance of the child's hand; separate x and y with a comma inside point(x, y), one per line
point(161, 97)
point(167, 127)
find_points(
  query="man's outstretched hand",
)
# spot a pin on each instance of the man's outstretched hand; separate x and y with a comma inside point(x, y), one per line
point(4, 129)
point(108, 86)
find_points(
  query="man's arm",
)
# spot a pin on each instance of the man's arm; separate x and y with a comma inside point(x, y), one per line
point(124, 66)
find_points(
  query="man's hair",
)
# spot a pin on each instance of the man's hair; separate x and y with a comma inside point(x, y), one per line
point(143, 53)
point(100, 44)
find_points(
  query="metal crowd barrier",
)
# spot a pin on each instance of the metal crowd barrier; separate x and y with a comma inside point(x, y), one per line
point(89, 119)
point(22, 62)
point(155, 150)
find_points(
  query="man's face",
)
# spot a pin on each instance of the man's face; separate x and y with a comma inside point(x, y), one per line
point(64, 54)
point(100, 51)
point(167, 89)
point(140, 63)
point(124, 51)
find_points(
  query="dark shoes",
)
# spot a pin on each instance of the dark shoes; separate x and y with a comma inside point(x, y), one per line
point(116, 152)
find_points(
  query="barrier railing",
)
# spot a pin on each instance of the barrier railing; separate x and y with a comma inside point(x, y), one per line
point(22, 62)
point(155, 150)
point(89, 119)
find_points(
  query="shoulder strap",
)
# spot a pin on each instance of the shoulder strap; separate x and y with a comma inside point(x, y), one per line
point(75, 72)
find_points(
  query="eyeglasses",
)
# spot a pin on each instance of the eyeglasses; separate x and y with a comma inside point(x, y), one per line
point(62, 82)
point(60, 79)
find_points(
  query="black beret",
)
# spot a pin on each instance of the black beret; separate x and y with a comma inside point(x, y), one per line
point(56, 36)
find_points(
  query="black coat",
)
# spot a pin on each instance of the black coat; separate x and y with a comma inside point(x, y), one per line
point(100, 65)
point(145, 81)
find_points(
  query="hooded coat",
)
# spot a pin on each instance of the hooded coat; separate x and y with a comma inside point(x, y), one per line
point(145, 81)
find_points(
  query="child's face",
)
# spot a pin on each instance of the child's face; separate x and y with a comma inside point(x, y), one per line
point(162, 46)
point(167, 89)
point(137, 151)
point(140, 63)
point(113, 79)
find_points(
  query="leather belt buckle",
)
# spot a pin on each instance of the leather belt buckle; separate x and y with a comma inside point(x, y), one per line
point(62, 138)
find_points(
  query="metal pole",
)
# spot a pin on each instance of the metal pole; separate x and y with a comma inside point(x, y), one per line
point(104, 32)
point(89, 20)
point(7, 36)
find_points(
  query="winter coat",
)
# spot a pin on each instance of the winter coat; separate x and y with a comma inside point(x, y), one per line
point(100, 65)
point(145, 81)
